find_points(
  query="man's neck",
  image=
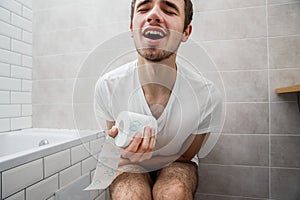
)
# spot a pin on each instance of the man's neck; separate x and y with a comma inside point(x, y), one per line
point(157, 78)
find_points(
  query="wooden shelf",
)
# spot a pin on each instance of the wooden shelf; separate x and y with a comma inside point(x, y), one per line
point(290, 89)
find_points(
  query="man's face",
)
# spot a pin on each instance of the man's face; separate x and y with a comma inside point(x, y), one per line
point(158, 28)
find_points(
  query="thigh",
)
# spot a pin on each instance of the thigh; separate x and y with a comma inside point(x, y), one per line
point(131, 186)
point(178, 174)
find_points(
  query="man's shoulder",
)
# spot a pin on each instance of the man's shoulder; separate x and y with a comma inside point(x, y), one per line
point(117, 76)
point(120, 72)
point(195, 77)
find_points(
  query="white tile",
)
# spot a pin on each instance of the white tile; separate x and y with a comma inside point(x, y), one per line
point(9, 57)
point(18, 196)
point(38, 5)
point(21, 123)
point(21, 47)
point(57, 162)
point(21, 22)
point(27, 37)
point(20, 177)
point(69, 175)
point(27, 61)
point(26, 110)
point(58, 116)
point(4, 42)
point(75, 40)
point(43, 189)
point(27, 3)
point(96, 145)
point(26, 85)
point(10, 111)
point(4, 14)
point(10, 84)
point(65, 17)
point(53, 91)
point(4, 125)
point(4, 69)
point(27, 13)
point(12, 6)
point(21, 97)
point(4, 97)
point(21, 72)
point(89, 164)
point(79, 153)
point(10, 31)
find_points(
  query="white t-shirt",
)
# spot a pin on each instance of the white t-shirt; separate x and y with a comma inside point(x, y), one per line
point(194, 106)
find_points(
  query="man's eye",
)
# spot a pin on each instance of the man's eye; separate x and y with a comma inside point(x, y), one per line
point(143, 10)
point(170, 12)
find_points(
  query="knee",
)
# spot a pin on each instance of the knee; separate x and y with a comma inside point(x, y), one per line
point(130, 186)
point(172, 191)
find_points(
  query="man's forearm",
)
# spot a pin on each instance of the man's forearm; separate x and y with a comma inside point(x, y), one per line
point(156, 161)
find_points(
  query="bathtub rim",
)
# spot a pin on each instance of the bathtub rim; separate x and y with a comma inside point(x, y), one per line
point(23, 158)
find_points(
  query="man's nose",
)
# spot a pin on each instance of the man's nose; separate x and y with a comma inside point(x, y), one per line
point(155, 15)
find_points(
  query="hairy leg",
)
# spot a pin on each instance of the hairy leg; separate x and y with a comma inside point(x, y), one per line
point(177, 181)
point(131, 186)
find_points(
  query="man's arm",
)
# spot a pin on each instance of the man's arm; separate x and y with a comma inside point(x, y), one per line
point(190, 148)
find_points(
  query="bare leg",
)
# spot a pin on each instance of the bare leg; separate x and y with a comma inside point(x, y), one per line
point(131, 186)
point(177, 181)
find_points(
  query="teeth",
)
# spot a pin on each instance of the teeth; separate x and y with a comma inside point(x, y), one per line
point(155, 33)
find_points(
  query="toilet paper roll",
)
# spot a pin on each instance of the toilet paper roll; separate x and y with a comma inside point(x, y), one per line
point(130, 124)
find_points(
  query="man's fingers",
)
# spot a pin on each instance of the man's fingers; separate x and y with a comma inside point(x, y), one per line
point(134, 144)
point(113, 132)
point(152, 139)
point(146, 140)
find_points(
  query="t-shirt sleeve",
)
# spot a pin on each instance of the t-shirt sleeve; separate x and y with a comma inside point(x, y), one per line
point(211, 117)
point(102, 102)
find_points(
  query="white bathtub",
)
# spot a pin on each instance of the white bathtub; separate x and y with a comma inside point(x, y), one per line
point(17, 147)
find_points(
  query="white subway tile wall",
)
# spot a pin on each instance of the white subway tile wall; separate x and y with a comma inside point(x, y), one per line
point(80, 152)
point(21, 177)
point(43, 189)
point(18, 196)
point(69, 175)
point(41, 178)
point(57, 162)
point(15, 64)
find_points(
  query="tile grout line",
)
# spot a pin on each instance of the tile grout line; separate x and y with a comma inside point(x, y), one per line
point(221, 195)
point(269, 98)
point(243, 8)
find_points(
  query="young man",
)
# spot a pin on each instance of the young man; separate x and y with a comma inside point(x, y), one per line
point(181, 100)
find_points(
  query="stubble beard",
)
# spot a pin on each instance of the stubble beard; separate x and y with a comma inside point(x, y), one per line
point(154, 54)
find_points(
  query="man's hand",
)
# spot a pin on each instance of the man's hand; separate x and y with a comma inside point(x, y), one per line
point(140, 148)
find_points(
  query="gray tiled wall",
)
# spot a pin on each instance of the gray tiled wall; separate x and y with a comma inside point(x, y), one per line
point(256, 46)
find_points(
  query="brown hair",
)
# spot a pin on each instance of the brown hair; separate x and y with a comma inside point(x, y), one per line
point(188, 12)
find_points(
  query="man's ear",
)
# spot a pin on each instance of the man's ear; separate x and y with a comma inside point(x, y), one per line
point(130, 27)
point(187, 32)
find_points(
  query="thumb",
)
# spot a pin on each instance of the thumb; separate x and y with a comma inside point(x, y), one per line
point(113, 132)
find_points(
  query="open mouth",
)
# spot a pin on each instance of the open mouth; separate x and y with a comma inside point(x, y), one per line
point(154, 35)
